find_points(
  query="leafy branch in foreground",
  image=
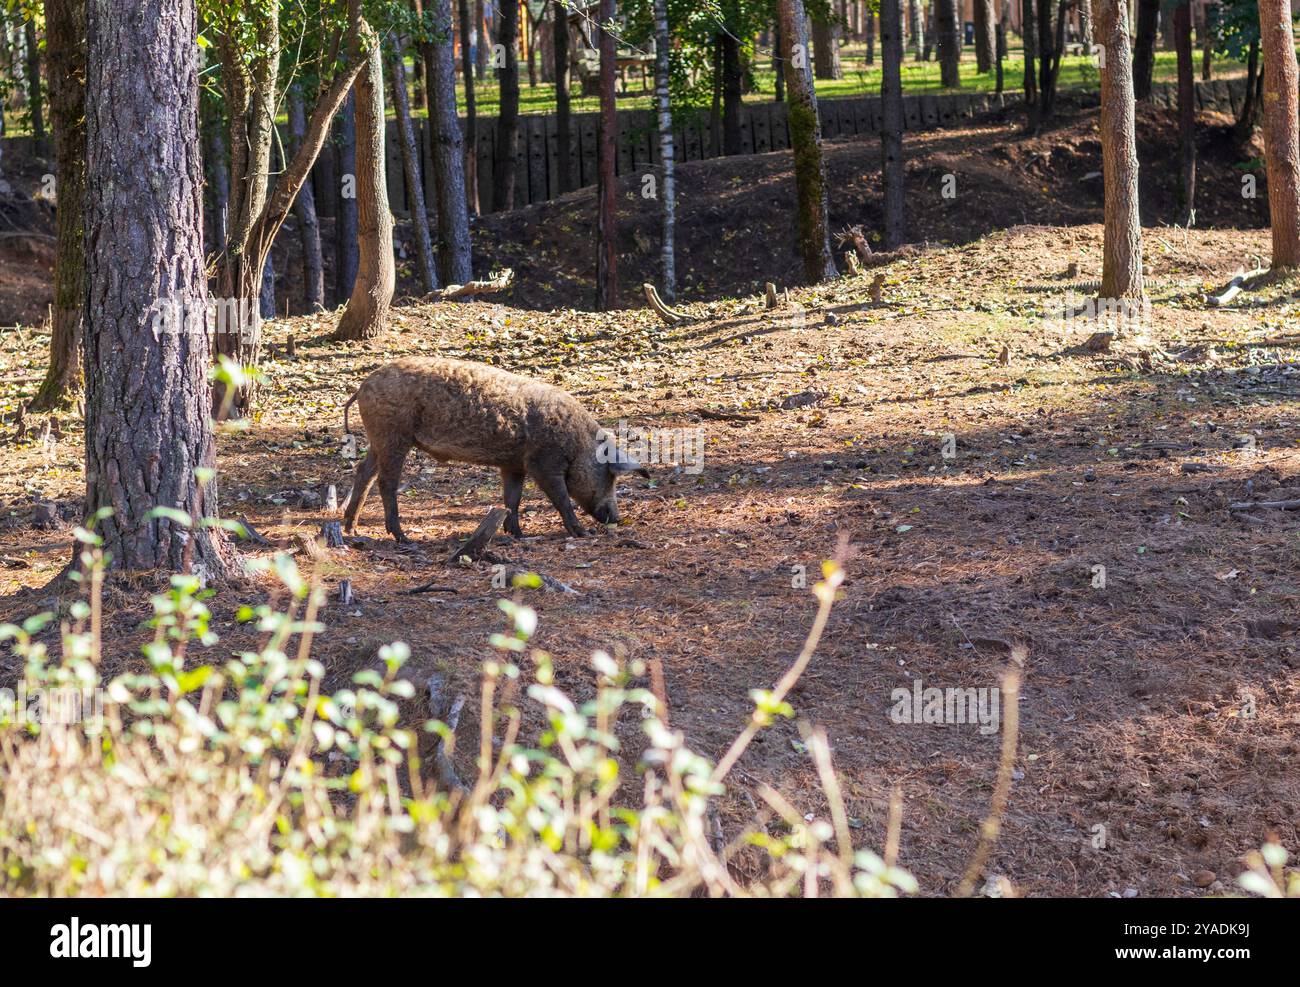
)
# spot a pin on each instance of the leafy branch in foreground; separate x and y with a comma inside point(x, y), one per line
point(188, 779)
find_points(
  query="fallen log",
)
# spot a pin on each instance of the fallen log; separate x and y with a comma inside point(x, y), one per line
point(1276, 505)
point(499, 283)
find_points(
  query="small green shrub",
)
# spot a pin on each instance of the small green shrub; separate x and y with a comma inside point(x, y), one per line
point(245, 779)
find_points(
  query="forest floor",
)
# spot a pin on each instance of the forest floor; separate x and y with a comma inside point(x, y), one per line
point(1160, 708)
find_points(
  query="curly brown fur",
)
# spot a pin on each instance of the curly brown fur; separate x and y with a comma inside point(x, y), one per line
point(458, 411)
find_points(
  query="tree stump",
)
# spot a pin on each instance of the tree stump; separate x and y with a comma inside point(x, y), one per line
point(483, 534)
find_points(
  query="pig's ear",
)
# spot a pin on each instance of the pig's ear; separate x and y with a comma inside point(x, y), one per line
point(628, 466)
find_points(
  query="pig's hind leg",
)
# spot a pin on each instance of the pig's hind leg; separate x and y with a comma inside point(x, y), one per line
point(362, 480)
point(512, 483)
point(391, 458)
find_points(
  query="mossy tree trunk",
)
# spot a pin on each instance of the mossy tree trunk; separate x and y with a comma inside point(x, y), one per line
point(376, 274)
point(812, 227)
point(65, 34)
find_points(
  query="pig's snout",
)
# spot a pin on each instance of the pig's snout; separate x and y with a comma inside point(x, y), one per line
point(606, 512)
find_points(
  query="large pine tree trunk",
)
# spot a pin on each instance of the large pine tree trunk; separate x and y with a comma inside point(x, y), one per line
point(65, 32)
point(1144, 47)
point(376, 274)
point(606, 185)
point(563, 117)
point(668, 190)
point(949, 38)
point(812, 227)
point(1121, 276)
point(503, 177)
point(411, 168)
point(346, 257)
point(304, 210)
point(1186, 108)
point(985, 43)
point(449, 152)
point(148, 401)
point(1281, 129)
point(891, 133)
point(471, 108)
point(826, 47)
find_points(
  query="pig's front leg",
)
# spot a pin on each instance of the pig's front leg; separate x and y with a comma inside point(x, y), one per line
point(552, 484)
point(513, 485)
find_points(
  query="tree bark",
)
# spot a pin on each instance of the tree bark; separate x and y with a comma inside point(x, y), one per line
point(218, 184)
point(1028, 30)
point(812, 226)
point(449, 153)
point(503, 178)
point(777, 70)
point(563, 117)
point(891, 133)
point(346, 256)
point(949, 38)
point(481, 37)
point(1144, 47)
point(869, 30)
point(411, 168)
point(372, 294)
point(916, 18)
point(65, 33)
point(1121, 276)
point(304, 210)
point(1207, 35)
point(985, 43)
point(148, 401)
point(606, 191)
point(731, 95)
point(1244, 127)
point(668, 190)
point(715, 115)
point(35, 103)
point(471, 108)
point(1051, 45)
point(1281, 129)
point(826, 47)
point(1186, 108)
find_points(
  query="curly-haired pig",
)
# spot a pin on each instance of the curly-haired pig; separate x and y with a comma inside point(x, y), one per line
point(458, 411)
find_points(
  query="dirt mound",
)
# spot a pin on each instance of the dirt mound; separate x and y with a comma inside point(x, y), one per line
point(735, 223)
